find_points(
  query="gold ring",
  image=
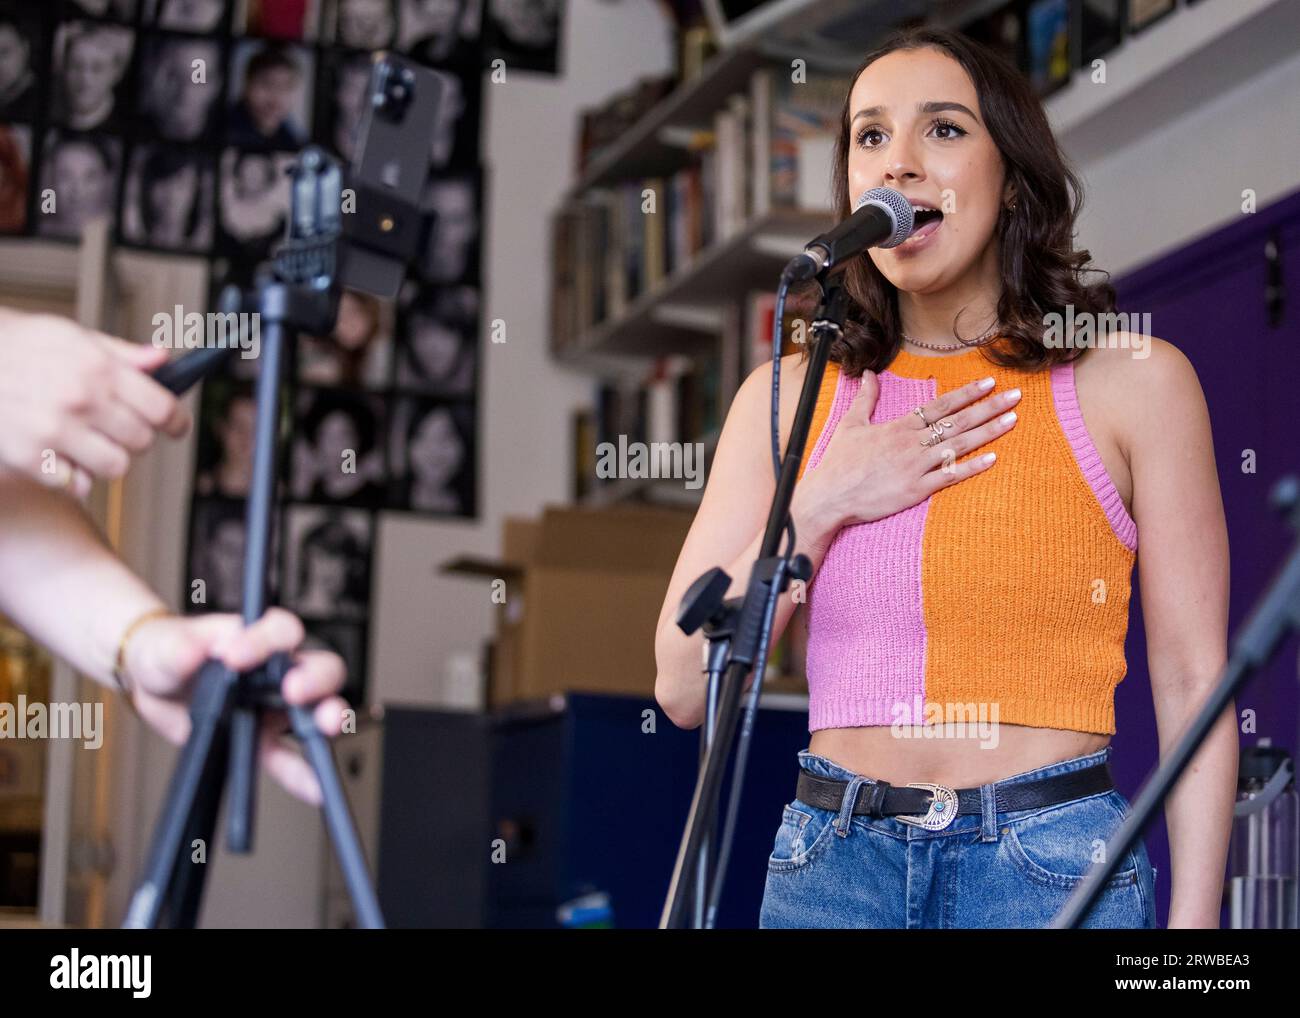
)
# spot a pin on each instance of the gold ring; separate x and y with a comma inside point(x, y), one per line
point(921, 414)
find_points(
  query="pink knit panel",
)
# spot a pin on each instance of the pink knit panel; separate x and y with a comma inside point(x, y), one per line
point(866, 630)
point(1086, 455)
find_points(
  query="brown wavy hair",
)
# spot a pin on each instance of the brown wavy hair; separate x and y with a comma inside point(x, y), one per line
point(1041, 272)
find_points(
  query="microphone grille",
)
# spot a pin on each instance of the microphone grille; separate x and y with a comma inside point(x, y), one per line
point(898, 207)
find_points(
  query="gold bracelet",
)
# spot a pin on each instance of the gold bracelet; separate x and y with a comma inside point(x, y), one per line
point(119, 668)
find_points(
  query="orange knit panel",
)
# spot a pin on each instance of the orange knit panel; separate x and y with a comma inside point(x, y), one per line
point(1020, 575)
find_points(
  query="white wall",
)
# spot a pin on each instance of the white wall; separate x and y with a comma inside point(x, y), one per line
point(1185, 178)
point(419, 617)
point(529, 144)
point(1179, 180)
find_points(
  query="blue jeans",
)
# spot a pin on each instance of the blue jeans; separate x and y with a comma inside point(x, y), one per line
point(993, 869)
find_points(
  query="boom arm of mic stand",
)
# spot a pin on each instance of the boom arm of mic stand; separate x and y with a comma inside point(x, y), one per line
point(750, 624)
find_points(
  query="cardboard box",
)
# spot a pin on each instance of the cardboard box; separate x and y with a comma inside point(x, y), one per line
point(583, 590)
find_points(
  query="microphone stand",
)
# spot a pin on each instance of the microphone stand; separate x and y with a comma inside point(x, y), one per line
point(736, 630)
point(227, 707)
point(1276, 614)
point(717, 648)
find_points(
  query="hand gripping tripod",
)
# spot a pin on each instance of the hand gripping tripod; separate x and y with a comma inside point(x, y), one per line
point(300, 293)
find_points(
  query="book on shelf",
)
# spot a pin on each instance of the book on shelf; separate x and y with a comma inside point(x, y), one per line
point(678, 401)
point(732, 206)
point(768, 146)
point(800, 120)
point(760, 142)
point(564, 302)
point(583, 424)
point(601, 128)
point(655, 227)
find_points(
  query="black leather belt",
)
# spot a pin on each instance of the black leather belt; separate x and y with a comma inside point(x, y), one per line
point(941, 804)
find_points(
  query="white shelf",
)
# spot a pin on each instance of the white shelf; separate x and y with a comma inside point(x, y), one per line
point(683, 311)
point(1184, 61)
point(811, 30)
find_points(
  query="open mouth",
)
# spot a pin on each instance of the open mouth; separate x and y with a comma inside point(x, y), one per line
point(924, 223)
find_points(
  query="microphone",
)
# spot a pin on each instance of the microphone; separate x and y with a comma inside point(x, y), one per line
point(882, 218)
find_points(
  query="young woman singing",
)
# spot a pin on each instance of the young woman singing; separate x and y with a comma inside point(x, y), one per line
point(993, 596)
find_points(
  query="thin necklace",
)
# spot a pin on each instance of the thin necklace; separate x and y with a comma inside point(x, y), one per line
point(986, 338)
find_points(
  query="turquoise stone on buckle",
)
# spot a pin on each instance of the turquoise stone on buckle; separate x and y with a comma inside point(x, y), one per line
point(942, 811)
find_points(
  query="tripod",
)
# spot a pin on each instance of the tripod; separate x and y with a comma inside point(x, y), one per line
point(300, 294)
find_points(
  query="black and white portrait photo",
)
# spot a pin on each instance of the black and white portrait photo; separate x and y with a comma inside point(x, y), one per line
point(253, 201)
point(169, 199)
point(348, 641)
point(271, 95)
point(441, 32)
point(365, 24)
point(188, 15)
point(91, 59)
point(341, 100)
point(456, 127)
point(214, 580)
point(20, 57)
point(327, 562)
point(116, 10)
point(358, 353)
point(432, 456)
point(288, 20)
point(79, 178)
point(525, 33)
point(227, 426)
point(15, 176)
point(438, 341)
point(338, 454)
point(180, 87)
point(451, 201)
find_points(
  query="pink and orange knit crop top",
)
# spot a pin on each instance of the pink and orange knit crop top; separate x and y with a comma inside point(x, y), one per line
point(1006, 593)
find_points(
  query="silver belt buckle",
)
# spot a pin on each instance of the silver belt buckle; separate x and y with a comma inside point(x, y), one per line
point(942, 811)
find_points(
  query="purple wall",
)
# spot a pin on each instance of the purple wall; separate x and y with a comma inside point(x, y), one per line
point(1209, 299)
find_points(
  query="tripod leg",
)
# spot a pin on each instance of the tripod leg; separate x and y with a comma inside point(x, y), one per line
point(338, 819)
point(185, 893)
point(244, 725)
point(214, 691)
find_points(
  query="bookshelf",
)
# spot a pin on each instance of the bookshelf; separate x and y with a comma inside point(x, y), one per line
point(682, 313)
point(656, 145)
point(699, 304)
point(659, 491)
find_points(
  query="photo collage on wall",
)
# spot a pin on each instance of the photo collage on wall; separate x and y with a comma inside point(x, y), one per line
point(178, 120)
